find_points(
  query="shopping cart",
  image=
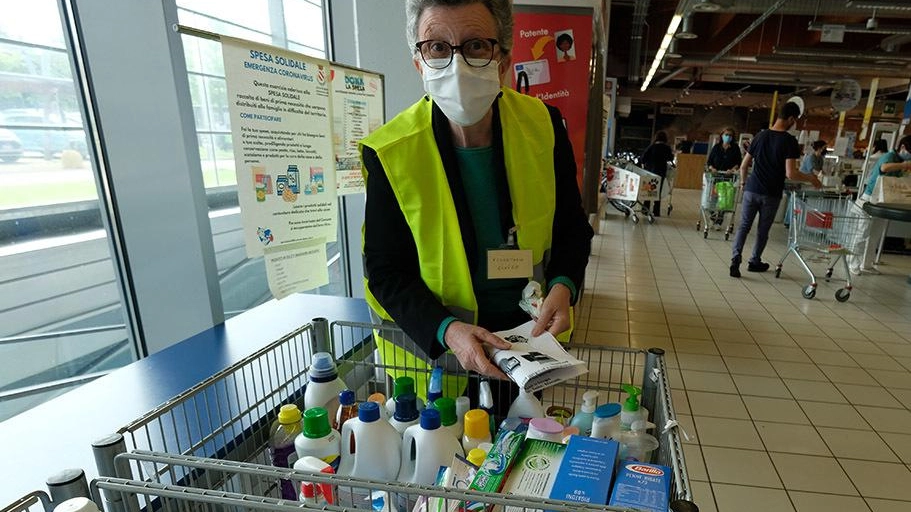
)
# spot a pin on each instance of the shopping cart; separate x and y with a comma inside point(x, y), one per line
point(829, 224)
point(208, 446)
point(628, 186)
point(719, 197)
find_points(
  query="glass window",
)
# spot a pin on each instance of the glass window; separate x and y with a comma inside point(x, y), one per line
point(62, 320)
point(301, 28)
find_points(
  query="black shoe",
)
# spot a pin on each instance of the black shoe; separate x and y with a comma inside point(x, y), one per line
point(735, 269)
point(757, 267)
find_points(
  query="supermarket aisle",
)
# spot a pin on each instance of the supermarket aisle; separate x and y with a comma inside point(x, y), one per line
point(791, 405)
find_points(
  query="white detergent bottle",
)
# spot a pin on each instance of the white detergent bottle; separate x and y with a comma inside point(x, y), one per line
point(425, 448)
point(318, 439)
point(526, 406)
point(406, 412)
point(632, 411)
point(323, 384)
point(448, 418)
point(637, 444)
point(583, 420)
point(400, 386)
point(606, 424)
point(377, 447)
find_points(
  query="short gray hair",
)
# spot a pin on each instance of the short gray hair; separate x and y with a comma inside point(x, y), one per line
point(500, 9)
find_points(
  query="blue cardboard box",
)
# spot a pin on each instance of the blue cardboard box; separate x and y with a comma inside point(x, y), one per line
point(586, 470)
point(642, 486)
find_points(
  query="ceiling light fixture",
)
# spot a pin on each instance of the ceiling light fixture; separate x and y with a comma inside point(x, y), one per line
point(705, 6)
point(665, 44)
point(686, 30)
point(898, 5)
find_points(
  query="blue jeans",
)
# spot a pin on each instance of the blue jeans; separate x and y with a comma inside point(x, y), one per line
point(766, 207)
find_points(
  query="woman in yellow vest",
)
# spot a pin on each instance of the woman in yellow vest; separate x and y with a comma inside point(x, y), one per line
point(469, 170)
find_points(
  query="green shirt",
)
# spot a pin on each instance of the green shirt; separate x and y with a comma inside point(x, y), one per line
point(477, 168)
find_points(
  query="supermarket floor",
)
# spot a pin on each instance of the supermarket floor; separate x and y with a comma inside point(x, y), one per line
point(790, 404)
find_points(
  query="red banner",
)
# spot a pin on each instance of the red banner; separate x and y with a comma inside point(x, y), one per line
point(553, 52)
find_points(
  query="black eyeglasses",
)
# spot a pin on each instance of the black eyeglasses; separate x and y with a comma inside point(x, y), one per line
point(476, 53)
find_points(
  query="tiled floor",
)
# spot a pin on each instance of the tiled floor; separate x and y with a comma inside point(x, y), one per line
point(792, 405)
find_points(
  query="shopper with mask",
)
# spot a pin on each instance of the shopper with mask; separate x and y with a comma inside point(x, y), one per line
point(471, 167)
point(725, 156)
point(893, 163)
point(773, 154)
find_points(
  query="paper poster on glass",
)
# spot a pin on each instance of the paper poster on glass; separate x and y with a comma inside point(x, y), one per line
point(357, 101)
point(281, 113)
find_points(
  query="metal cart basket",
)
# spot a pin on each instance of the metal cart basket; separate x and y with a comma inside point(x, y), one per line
point(208, 447)
point(831, 225)
point(719, 198)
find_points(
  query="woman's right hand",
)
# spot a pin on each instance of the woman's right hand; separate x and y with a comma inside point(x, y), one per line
point(467, 342)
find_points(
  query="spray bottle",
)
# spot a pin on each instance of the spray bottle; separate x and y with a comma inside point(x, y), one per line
point(485, 402)
point(632, 411)
point(583, 420)
point(435, 388)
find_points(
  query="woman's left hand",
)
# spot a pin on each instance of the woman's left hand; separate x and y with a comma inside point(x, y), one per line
point(554, 316)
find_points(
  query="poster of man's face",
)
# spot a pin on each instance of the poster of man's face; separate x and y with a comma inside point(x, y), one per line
point(565, 45)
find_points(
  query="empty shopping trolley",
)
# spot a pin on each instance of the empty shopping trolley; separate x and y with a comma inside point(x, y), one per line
point(831, 225)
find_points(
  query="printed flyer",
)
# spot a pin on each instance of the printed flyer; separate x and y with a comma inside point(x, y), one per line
point(281, 113)
point(357, 110)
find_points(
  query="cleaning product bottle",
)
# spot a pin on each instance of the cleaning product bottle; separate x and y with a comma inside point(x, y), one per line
point(312, 493)
point(402, 385)
point(462, 405)
point(526, 406)
point(281, 444)
point(545, 429)
point(435, 388)
point(583, 420)
point(347, 408)
point(426, 447)
point(323, 384)
point(477, 429)
point(632, 411)
point(476, 456)
point(606, 424)
point(485, 402)
point(447, 409)
point(406, 412)
point(318, 439)
point(637, 444)
point(381, 400)
point(377, 446)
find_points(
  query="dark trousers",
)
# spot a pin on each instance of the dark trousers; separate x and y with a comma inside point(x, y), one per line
point(766, 207)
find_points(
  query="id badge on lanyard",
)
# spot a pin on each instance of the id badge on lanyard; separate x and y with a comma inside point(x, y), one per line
point(510, 262)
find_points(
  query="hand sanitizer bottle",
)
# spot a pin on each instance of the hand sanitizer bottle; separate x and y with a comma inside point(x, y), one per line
point(583, 420)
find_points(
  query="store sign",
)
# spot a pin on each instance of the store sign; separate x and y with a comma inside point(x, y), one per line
point(832, 34)
point(676, 111)
point(846, 95)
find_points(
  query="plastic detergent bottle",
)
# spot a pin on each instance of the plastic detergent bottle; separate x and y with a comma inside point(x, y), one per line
point(485, 402)
point(406, 412)
point(380, 399)
point(347, 408)
point(462, 405)
point(312, 493)
point(435, 388)
point(476, 456)
point(477, 429)
point(637, 444)
point(281, 444)
point(447, 409)
point(401, 386)
point(632, 411)
point(77, 505)
point(546, 429)
point(377, 452)
point(526, 406)
point(583, 420)
point(323, 384)
point(425, 448)
point(606, 424)
point(318, 439)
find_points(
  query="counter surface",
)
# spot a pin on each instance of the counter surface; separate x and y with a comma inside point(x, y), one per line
point(58, 434)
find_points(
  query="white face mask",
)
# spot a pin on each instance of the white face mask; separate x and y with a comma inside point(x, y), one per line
point(464, 93)
point(904, 155)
